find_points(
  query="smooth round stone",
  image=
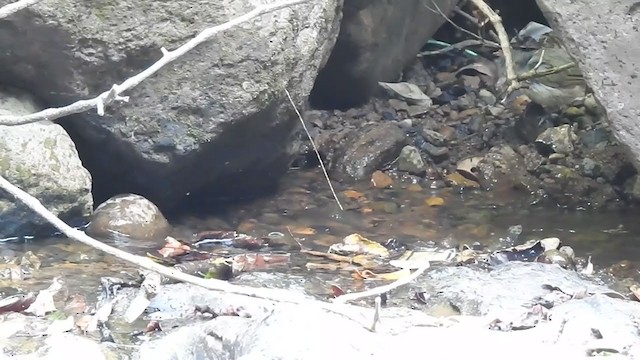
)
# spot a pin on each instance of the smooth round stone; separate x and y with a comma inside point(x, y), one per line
point(128, 215)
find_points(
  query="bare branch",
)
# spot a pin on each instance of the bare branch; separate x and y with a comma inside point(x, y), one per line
point(113, 94)
point(382, 289)
point(315, 149)
point(505, 45)
point(457, 46)
point(12, 8)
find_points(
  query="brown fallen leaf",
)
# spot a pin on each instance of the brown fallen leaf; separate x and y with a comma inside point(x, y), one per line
point(435, 201)
point(362, 260)
point(16, 303)
point(380, 180)
point(302, 230)
point(173, 247)
point(458, 179)
point(341, 266)
point(336, 291)
point(353, 194)
point(253, 262)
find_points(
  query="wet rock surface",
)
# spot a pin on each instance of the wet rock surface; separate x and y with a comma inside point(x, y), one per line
point(42, 160)
point(600, 49)
point(367, 150)
point(223, 105)
point(551, 158)
point(509, 294)
point(128, 216)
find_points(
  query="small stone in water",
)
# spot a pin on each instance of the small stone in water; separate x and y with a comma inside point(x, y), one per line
point(486, 96)
point(414, 188)
point(411, 161)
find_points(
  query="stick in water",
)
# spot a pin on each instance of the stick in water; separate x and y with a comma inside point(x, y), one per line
point(315, 149)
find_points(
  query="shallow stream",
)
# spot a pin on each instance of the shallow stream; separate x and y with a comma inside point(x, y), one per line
point(304, 209)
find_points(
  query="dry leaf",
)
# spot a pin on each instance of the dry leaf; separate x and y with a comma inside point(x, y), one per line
point(302, 230)
point(353, 194)
point(358, 245)
point(408, 92)
point(467, 167)
point(435, 201)
point(457, 179)
point(380, 180)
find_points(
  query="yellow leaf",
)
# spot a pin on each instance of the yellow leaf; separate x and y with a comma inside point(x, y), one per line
point(353, 194)
point(435, 201)
point(302, 230)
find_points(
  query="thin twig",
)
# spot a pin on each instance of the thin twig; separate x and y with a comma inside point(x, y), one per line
point(382, 289)
point(12, 8)
point(457, 46)
point(496, 21)
point(531, 74)
point(376, 314)
point(315, 149)
point(113, 94)
point(437, 10)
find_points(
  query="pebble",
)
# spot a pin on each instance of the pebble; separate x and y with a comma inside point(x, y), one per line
point(434, 137)
point(410, 160)
point(486, 96)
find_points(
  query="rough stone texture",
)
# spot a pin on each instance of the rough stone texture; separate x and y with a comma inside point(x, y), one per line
point(267, 331)
point(377, 39)
point(131, 216)
point(368, 150)
point(42, 160)
point(215, 121)
point(604, 37)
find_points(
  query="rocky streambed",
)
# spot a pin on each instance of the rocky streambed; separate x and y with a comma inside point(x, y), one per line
point(524, 217)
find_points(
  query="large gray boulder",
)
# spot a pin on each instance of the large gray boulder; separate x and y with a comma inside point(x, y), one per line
point(216, 121)
point(42, 160)
point(377, 39)
point(604, 37)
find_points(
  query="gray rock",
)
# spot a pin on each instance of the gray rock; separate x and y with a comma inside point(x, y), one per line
point(567, 187)
point(507, 293)
point(128, 216)
point(558, 139)
point(632, 188)
point(595, 138)
point(605, 42)
point(23, 337)
point(434, 137)
point(41, 159)
point(503, 168)
point(436, 152)
point(377, 40)
point(411, 161)
point(486, 96)
point(368, 150)
point(218, 115)
point(590, 168)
